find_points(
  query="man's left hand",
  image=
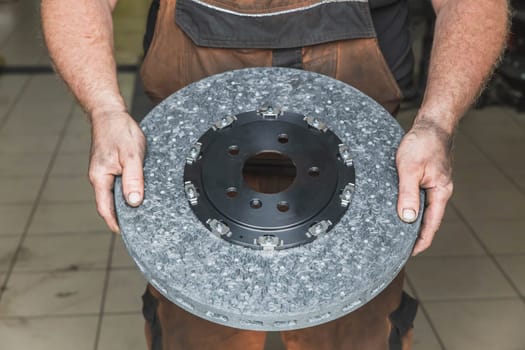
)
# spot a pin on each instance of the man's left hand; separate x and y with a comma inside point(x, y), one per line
point(424, 161)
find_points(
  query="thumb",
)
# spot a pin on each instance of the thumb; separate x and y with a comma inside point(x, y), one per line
point(408, 200)
point(133, 181)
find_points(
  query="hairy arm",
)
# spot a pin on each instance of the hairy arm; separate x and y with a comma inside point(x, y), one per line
point(79, 37)
point(468, 40)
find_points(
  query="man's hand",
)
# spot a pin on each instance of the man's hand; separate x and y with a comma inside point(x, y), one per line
point(424, 161)
point(117, 148)
point(468, 39)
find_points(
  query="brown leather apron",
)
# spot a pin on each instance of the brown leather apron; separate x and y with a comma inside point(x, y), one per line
point(194, 39)
point(174, 60)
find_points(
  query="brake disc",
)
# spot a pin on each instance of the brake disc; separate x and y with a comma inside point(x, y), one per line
point(293, 257)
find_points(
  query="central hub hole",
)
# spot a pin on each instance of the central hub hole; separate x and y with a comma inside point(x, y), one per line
point(269, 172)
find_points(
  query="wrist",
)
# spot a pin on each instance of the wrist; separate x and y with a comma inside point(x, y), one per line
point(104, 112)
point(102, 119)
point(445, 122)
point(105, 104)
point(432, 130)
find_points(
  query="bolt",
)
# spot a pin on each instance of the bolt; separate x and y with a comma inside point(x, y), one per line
point(347, 194)
point(191, 193)
point(194, 152)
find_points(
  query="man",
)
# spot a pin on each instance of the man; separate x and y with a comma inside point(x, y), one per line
point(192, 39)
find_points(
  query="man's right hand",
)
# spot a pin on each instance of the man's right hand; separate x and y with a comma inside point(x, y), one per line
point(117, 148)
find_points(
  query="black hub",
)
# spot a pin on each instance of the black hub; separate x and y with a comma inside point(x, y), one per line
point(269, 180)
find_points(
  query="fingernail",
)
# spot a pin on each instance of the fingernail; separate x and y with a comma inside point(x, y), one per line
point(409, 215)
point(134, 198)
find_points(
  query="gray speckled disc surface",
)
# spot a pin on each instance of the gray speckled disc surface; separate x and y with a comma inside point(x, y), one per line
point(251, 289)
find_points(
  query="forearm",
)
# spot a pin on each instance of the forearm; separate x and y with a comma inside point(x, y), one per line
point(80, 42)
point(468, 40)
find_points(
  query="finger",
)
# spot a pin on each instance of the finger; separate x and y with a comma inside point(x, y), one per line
point(408, 200)
point(437, 198)
point(133, 180)
point(103, 186)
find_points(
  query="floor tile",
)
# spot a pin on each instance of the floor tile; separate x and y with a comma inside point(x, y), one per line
point(514, 266)
point(76, 142)
point(23, 164)
point(47, 89)
point(451, 213)
point(34, 126)
point(71, 164)
point(454, 238)
point(79, 123)
point(121, 257)
point(501, 236)
point(26, 118)
point(467, 153)
point(490, 204)
point(505, 128)
point(13, 218)
point(408, 288)
point(10, 88)
point(53, 293)
point(48, 333)
point(125, 289)
point(424, 337)
point(505, 153)
point(16, 143)
point(475, 325)
point(488, 116)
point(519, 117)
point(46, 93)
point(7, 249)
point(64, 252)
point(122, 332)
point(517, 176)
point(443, 278)
point(469, 178)
point(66, 217)
point(68, 189)
point(19, 189)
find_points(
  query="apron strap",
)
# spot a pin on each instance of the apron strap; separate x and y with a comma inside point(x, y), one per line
point(402, 320)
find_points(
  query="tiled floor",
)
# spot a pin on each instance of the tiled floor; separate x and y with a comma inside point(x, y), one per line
point(66, 280)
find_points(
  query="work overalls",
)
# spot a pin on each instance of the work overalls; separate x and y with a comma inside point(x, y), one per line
point(194, 39)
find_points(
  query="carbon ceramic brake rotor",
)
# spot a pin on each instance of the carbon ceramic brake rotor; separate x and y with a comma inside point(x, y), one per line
point(201, 260)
